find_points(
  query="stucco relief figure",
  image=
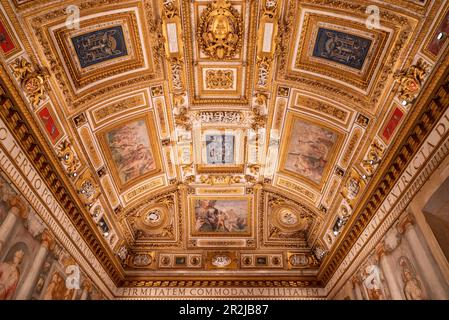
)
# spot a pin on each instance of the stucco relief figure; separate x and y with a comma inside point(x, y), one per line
point(353, 187)
point(373, 283)
point(10, 275)
point(413, 289)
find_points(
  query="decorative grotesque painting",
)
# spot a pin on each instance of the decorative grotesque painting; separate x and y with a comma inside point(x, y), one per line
point(100, 45)
point(131, 151)
point(221, 216)
point(372, 282)
point(309, 150)
point(220, 149)
point(340, 47)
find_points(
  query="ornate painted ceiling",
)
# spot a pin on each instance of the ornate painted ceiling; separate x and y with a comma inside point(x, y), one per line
point(220, 140)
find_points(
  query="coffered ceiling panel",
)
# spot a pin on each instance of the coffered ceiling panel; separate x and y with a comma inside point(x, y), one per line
point(220, 60)
point(107, 50)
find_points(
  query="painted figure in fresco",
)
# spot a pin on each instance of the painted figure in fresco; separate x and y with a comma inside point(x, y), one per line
point(373, 283)
point(6, 194)
point(412, 286)
point(209, 218)
point(131, 151)
point(57, 289)
point(54, 288)
point(10, 275)
point(222, 218)
point(309, 150)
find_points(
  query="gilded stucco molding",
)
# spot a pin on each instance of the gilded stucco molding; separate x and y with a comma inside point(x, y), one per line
point(431, 104)
point(52, 171)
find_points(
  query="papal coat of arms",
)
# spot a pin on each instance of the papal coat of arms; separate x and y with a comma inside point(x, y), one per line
point(220, 30)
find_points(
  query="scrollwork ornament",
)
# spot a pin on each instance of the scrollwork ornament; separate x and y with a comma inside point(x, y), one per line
point(182, 119)
point(411, 81)
point(68, 158)
point(31, 81)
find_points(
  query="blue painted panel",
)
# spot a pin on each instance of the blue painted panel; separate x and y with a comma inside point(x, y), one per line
point(220, 149)
point(99, 46)
point(340, 47)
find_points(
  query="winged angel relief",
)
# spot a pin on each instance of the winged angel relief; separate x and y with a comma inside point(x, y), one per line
point(220, 30)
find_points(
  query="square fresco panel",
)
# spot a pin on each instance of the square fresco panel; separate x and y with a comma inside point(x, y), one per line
point(99, 46)
point(221, 216)
point(309, 150)
point(131, 150)
point(340, 47)
point(220, 149)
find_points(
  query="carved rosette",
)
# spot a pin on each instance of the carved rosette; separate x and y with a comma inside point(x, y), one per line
point(220, 30)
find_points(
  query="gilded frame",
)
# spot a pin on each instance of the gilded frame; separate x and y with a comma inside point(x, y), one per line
point(101, 137)
point(237, 72)
point(291, 117)
point(239, 151)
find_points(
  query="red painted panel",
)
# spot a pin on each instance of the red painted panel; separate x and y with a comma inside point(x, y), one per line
point(6, 42)
point(392, 124)
point(49, 124)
